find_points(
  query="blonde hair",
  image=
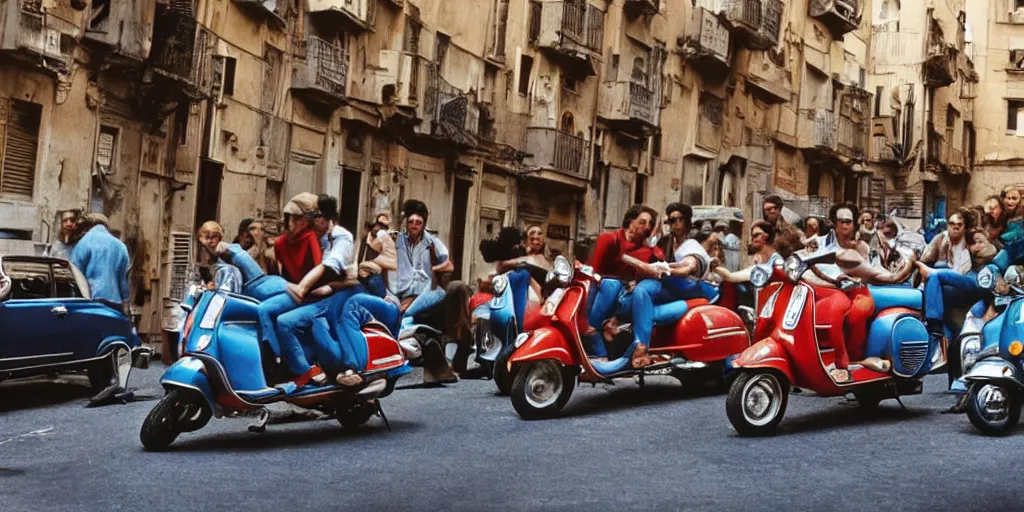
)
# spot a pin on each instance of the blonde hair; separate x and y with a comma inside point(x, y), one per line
point(211, 226)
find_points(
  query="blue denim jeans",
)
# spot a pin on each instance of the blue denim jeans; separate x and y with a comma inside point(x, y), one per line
point(256, 284)
point(612, 299)
point(293, 324)
point(349, 350)
point(425, 301)
point(375, 286)
point(947, 286)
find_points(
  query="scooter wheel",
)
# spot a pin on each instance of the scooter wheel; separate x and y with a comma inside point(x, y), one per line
point(160, 428)
point(757, 403)
point(993, 409)
point(541, 389)
point(356, 415)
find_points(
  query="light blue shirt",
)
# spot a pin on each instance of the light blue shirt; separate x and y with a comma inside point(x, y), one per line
point(104, 262)
point(338, 247)
point(414, 264)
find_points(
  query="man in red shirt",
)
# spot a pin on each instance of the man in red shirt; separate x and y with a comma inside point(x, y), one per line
point(626, 254)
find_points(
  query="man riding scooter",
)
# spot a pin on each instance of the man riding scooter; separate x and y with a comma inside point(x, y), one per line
point(850, 310)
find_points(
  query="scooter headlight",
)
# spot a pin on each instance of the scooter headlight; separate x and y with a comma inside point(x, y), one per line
point(499, 283)
point(986, 279)
point(970, 346)
point(562, 270)
point(523, 336)
point(794, 268)
point(552, 303)
point(204, 341)
point(759, 276)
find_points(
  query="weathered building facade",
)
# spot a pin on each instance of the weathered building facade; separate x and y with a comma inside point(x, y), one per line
point(556, 113)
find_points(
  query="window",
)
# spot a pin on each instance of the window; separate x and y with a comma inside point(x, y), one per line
point(1014, 123)
point(411, 41)
point(272, 58)
point(568, 123)
point(1017, 59)
point(525, 66)
point(534, 28)
point(640, 189)
point(181, 123)
point(19, 144)
point(571, 83)
point(441, 49)
point(879, 92)
point(105, 149)
point(64, 283)
point(99, 13)
point(229, 75)
point(29, 280)
point(181, 257)
point(656, 144)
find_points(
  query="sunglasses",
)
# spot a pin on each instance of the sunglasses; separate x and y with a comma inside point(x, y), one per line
point(844, 221)
point(673, 220)
point(955, 224)
point(758, 234)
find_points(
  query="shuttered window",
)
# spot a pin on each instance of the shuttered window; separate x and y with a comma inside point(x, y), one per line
point(181, 259)
point(19, 144)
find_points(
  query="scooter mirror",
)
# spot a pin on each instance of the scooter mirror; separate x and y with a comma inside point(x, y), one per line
point(986, 279)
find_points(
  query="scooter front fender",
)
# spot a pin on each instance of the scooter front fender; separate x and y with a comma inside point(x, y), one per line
point(995, 370)
point(545, 343)
point(187, 374)
point(768, 354)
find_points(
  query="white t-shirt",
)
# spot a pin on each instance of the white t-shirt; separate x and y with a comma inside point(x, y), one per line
point(694, 248)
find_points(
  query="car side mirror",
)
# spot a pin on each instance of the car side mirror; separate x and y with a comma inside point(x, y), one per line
point(5, 288)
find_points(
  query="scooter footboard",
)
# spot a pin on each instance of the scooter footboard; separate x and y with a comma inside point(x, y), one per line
point(187, 374)
point(545, 343)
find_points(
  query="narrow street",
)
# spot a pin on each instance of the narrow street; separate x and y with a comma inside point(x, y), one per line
point(464, 448)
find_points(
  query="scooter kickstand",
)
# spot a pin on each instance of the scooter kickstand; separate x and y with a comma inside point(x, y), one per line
point(380, 412)
point(261, 422)
point(899, 401)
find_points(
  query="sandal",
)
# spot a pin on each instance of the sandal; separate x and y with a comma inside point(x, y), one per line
point(840, 375)
point(313, 375)
point(349, 379)
point(876, 364)
point(640, 356)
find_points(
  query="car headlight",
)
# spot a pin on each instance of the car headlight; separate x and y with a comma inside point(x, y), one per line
point(970, 346)
point(759, 276)
point(794, 268)
point(986, 279)
point(499, 283)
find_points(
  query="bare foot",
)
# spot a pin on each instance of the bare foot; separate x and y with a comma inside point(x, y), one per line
point(611, 329)
point(925, 270)
point(349, 379)
point(876, 364)
point(840, 375)
point(640, 357)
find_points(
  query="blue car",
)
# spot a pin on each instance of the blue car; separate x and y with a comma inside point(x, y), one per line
point(49, 324)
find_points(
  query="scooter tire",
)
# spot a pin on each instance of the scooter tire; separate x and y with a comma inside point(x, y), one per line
point(524, 400)
point(980, 422)
point(160, 427)
point(503, 377)
point(736, 403)
point(356, 415)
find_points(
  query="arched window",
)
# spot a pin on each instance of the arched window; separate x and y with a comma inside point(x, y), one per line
point(568, 124)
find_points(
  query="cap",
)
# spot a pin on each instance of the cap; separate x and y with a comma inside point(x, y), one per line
point(304, 204)
point(722, 224)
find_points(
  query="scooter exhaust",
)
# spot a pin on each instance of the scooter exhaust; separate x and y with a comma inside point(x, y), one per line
point(373, 390)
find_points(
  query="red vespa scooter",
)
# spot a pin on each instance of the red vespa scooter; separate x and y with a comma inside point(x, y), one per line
point(548, 360)
point(794, 348)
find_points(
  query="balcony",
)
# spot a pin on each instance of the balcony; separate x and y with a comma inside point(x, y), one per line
point(852, 138)
point(775, 82)
point(124, 31)
point(940, 67)
point(356, 14)
point(454, 117)
point(572, 30)
point(631, 105)
point(710, 122)
point(265, 9)
point(179, 52)
point(553, 150)
point(634, 8)
point(708, 48)
point(817, 130)
point(320, 71)
point(756, 22)
point(840, 16)
point(32, 34)
point(951, 158)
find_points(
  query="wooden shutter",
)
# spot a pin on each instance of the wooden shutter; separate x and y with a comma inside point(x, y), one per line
point(20, 146)
point(181, 259)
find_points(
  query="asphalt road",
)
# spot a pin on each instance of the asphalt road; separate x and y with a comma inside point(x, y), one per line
point(463, 448)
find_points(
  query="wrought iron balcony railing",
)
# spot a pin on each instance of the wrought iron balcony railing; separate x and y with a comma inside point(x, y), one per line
point(840, 16)
point(321, 70)
point(759, 22)
point(179, 50)
point(558, 151)
point(852, 137)
point(570, 26)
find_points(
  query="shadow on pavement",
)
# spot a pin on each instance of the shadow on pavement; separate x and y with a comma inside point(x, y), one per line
point(631, 396)
point(848, 414)
point(308, 433)
point(38, 392)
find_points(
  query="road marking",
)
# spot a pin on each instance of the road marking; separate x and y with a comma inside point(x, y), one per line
point(34, 433)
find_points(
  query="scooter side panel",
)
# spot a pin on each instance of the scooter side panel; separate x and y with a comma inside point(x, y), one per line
point(187, 373)
point(911, 348)
point(879, 335)
point(383, 351)
point(706, 334)
point(239, 354)
point(545, 343)
point(1012, 329)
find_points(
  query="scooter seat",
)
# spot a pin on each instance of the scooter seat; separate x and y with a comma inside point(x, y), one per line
point(887, 297)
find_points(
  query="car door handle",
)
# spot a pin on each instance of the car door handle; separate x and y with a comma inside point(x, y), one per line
point(59, 311)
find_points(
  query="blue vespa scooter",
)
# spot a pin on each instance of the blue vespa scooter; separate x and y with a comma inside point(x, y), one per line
point(994, 369)
point(226, 371)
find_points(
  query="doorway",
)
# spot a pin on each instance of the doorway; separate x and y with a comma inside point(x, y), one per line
point(351, 185)
point(208, 192)
point(458, 228)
